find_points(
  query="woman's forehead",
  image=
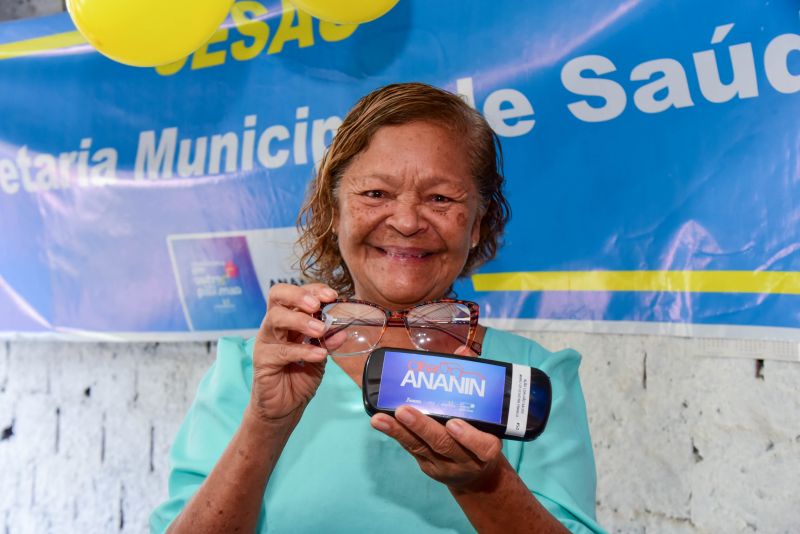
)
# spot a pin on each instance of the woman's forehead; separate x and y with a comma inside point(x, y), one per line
point(419, 130)
point(420, 151)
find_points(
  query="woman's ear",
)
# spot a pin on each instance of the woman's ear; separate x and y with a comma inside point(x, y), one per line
point(475, 233)
point(335, 224)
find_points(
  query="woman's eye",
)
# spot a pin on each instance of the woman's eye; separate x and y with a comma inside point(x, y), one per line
point(440, 199)
point(375, 193)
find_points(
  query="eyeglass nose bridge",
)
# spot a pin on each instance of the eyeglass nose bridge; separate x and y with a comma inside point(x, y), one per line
point(396, 318)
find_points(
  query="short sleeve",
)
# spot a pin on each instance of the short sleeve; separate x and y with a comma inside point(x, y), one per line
point(208, 427)
point(558, 467)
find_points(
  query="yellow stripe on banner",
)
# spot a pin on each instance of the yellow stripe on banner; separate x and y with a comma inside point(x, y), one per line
point(40, 44)
point(777, 282)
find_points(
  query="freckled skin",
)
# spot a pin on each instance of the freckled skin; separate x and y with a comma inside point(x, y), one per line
point(408, 214)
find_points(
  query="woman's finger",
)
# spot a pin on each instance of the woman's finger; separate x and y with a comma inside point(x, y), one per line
point(283, 354)
point(323, 292)
point(335, 341)
point(288, 320)
point(407, 439)
point(307, 298)
point(428, 430)
point(485, 446)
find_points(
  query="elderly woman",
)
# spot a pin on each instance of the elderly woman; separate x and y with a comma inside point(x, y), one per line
point(407, 199)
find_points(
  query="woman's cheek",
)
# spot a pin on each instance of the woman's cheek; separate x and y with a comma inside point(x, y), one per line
point(358, 218)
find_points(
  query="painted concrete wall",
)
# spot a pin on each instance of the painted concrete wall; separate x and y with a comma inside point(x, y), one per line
point(683, 443)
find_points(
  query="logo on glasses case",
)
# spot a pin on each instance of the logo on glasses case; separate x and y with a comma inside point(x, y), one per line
point(446, 376)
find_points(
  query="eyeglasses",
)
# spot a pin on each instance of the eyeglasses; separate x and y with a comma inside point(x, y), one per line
point(356, 327)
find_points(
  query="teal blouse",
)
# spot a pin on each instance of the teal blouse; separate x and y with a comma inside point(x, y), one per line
point(338, 474)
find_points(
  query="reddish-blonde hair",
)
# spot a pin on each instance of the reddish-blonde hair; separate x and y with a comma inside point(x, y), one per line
point(397, 104)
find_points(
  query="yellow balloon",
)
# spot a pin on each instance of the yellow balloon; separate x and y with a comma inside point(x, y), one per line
point(346, 11)
point(147, 33)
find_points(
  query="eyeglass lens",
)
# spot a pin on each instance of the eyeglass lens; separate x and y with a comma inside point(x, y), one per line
point(439, 326)
point(354, 328)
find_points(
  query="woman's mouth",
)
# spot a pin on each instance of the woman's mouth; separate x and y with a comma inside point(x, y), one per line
point(405, 253)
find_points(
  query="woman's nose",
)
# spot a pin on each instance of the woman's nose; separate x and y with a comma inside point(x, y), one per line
point(406, 218)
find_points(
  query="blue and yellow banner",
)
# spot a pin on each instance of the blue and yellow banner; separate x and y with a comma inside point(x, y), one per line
point(652, 151)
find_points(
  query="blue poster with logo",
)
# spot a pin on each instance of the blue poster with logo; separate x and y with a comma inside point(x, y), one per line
point(651, 156)
point(217, 281)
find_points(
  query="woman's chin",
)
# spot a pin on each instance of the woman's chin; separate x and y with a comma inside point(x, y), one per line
point(409, 293)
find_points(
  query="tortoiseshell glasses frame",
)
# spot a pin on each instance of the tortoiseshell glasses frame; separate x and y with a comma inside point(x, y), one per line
point(419, 329)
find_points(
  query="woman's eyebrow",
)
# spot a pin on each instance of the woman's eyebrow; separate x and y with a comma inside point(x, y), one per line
point(449, 181)
point(425, 182)
point(386, 178)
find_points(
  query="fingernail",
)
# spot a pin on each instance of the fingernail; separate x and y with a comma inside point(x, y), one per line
point(329, 293)
point(316, 326)
point(319, 351)
point(311, 301)
point(455, 427)
point(379, 424)
point(405, 416)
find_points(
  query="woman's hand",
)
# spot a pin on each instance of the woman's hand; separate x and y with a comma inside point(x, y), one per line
point(286, 371)
point(457, 454)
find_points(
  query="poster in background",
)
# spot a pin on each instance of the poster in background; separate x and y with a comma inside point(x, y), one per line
point(651, 152)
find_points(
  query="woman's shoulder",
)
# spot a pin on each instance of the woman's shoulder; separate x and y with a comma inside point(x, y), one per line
point(513, 348)
point(235, 348)
point(232, 369)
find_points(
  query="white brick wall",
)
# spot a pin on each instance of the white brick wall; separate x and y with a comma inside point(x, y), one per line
point(686, 443)
point(683, 444)
point(91, 427)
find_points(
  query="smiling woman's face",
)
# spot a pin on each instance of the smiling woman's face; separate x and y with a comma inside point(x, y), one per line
point(408, 214)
